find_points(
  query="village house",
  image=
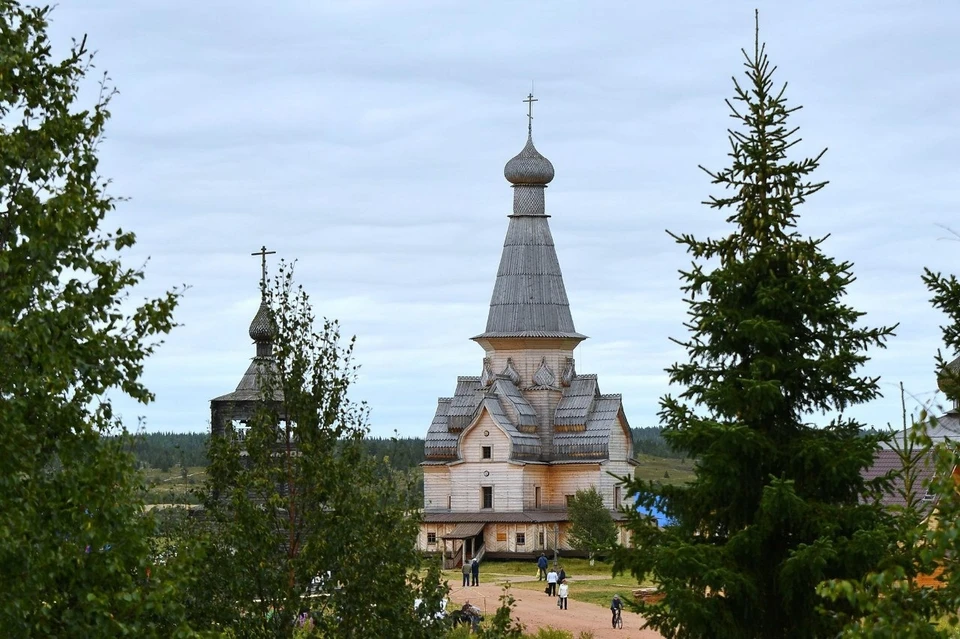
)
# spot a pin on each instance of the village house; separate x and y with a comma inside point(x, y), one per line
point(947, 426)
point(888, 460)
point(506, 453)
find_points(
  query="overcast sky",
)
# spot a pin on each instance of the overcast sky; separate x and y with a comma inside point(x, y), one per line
point(367, 139)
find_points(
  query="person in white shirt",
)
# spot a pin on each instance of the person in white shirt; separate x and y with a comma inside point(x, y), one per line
point(564, 590)
point(552, 583)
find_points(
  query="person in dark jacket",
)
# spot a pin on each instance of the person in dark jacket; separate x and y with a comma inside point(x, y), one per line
point(466, 574)
point(542, 565)
point(616, 607)
point(475, 571)
point(561, 574)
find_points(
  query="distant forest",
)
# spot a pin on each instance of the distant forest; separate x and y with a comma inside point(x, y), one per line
point(166, 450)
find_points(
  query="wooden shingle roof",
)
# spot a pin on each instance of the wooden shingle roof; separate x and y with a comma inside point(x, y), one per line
point(261, 331)
point(441, 442)
point(529, 299)
point(582, 422)
point(525, 445)
point(593, 441)
point(577, 401)
point(510, 394)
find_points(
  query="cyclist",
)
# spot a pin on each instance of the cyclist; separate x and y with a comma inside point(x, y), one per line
point(616, 606)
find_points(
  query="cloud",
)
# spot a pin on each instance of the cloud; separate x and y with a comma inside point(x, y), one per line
point(366, 140)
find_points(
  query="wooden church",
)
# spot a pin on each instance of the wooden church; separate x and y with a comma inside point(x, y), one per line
point(512, 446)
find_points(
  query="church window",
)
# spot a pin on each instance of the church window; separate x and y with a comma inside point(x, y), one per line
point(449, 502)
point(486, 452)
point(616, 496)
point(521, 539)
point(536, 497)
point(569, 498)
point(540, 539)
point(431, 537)
point(501, 536)
point(487, 493)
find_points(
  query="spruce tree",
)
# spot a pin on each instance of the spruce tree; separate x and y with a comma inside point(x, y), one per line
point(775, 507)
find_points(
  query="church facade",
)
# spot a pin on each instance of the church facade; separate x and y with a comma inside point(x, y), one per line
point(513, 444)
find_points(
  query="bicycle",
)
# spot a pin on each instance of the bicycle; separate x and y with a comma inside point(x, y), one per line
point(617, 619)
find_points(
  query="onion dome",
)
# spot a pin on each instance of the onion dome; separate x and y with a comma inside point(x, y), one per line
point(529, 167)
point(261, 328)
point(948, 378)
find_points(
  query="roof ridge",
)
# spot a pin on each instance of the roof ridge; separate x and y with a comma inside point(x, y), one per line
point(611, 396)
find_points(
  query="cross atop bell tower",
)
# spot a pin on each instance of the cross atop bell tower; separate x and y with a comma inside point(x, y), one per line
point(263, 253)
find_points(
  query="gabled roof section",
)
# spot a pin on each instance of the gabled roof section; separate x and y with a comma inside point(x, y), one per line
point(527, 419)
point(584, 420)
point(593, 442)
point(576, 402)
point(440, 444)
point(465, 403)
point(525, 445)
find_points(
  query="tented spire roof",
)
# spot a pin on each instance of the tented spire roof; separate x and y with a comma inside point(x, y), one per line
point(529, 299)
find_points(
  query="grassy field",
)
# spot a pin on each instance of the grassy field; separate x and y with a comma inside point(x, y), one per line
point(595, 591)
point(664, 469)
point(592, 584)
point(529, 568)
point(173, 486)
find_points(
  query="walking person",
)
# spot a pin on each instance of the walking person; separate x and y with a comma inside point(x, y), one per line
point(542, 567)
point(563, 591)
point(475, 571)
point(466, 574)
point(552, 583)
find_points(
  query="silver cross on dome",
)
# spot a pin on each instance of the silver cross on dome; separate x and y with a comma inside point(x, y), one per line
point(530, 100)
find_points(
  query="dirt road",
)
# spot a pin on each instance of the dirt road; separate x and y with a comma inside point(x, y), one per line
point(535, 610)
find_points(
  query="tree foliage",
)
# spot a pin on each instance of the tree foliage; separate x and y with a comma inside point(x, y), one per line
point(74, 546)
point(650, 441)
point(165, 450)
point(775, 507)
point(299, 498)
point(890, 600)
point(591, 526)
point(502, 625)
point(898, 598)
